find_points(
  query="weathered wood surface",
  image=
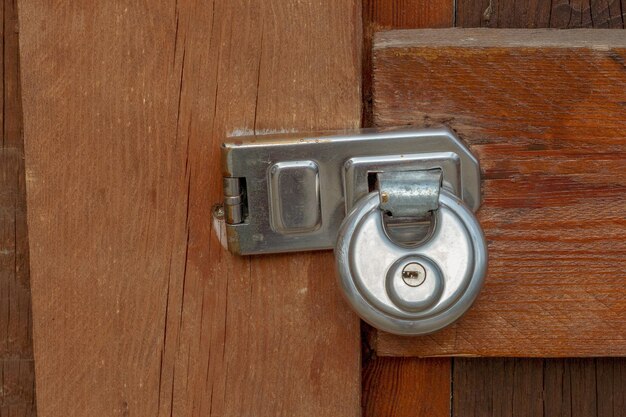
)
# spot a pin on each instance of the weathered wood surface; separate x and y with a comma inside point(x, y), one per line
point(408, 14)
point(397, 14)
point(138, 309)
point(477, 387)
point(562, 14)
point(17, 389)
point(406, 387)
point(544, 111)
point(539, 387)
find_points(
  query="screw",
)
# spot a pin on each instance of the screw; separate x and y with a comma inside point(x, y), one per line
point(384, 197)
point(218, 211)
point(413, 274)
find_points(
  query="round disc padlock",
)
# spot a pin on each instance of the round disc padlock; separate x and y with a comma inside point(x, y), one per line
point(411, 290)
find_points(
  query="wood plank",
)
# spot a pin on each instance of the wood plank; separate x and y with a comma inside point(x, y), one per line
point(397, 14)
point(17, 394)
point(138, 309)
point(549, 135)
point(561, 14)
point(497, 387)
point(18, 388)
point(539, 387)
point(406, 387)
point(408, 14)
point(611, 380)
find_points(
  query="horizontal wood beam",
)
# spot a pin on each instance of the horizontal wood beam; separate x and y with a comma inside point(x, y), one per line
point(545, 111)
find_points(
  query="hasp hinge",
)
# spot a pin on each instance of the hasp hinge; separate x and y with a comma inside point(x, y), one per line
point(234, 200)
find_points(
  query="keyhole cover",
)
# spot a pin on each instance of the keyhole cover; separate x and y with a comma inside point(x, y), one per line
point(411, 290)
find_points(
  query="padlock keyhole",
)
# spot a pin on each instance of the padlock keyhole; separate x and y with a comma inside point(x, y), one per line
point(414, 274)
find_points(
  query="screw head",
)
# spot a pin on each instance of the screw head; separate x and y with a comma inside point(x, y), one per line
point(413, 274)
point(218, 211)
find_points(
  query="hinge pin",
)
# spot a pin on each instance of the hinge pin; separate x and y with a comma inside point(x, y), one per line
point(233, 200)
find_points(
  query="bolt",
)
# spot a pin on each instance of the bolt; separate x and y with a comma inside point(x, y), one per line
point(413, 274)
point(384, 197)
point(218, 211)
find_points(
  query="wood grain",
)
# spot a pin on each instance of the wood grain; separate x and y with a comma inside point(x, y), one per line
point(406, 387)
point(539, 387)
point(408, 14)
point(138, 309)
point(498, 387)
point(561, 14)
point(17, 395)
point(544, 111)
point(397, 14)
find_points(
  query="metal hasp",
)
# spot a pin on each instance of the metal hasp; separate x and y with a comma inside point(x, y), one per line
point(285, 193)
point(397, 206)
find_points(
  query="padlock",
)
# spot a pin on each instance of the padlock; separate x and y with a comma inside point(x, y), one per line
point(411, 290)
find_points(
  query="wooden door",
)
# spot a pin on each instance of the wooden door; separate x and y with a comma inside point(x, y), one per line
point(139, 310)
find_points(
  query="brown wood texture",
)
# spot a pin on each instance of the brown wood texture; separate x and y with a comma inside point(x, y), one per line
point(544, 111)
point(138, 309)
point(408, 14)
point(539, 387)
point(17, 395)
point(406, 387)
point(562, 14)
point(397, 14)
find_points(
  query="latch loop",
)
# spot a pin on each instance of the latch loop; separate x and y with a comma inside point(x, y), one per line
point(409, 194)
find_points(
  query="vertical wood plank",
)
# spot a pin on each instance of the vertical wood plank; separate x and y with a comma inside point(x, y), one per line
point(570, 388)
point(527, 388)
point(408, 14)
point(138, 308)
point(610, 383)
point(561, 14)
point(497, 387)
point(583, 387)
point(539, 387)
point(18, 388)
point(17, 395)
point(557, 389)
point(403, 387)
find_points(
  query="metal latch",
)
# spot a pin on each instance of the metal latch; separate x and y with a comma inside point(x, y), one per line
point(397, 206)
point(285, 193)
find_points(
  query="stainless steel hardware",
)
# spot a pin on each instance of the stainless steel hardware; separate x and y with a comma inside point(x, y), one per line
point(396, 205)
point(417, 289)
